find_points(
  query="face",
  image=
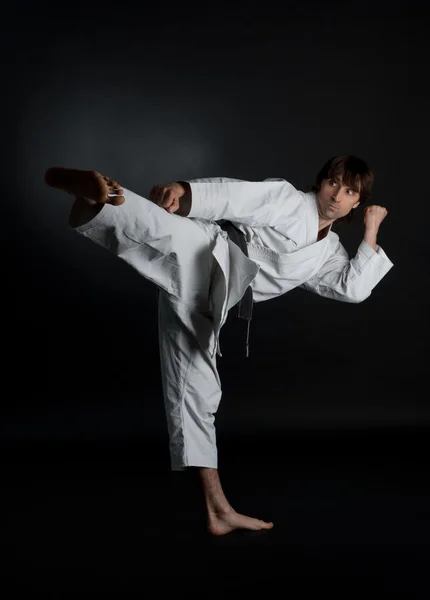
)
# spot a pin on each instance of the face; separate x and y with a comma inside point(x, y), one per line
point(335, 200)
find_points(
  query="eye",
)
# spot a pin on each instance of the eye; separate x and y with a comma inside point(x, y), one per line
point(351, 192)
point(332, 182)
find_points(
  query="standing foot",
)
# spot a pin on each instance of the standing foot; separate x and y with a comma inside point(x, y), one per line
point(225, 522)
point(222, 518)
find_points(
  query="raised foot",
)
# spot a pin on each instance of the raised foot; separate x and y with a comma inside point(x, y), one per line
point(223, 523)
point(90, 185)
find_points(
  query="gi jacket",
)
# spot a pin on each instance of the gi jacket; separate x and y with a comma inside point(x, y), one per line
point(280, 224)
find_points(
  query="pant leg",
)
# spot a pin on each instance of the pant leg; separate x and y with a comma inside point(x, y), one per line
point(173, 252)
point(191, 383)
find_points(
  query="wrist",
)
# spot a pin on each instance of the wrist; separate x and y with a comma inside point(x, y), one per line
point(185, 200)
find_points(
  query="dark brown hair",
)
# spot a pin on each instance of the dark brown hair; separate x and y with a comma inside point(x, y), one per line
point(353, 171)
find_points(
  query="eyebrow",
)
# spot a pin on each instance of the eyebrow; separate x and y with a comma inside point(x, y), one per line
point(339, 179)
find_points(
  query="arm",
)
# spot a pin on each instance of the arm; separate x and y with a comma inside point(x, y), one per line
point(353, 280)
point(185, 200)
point(255, 203)
point(350, 280)
point(373, 217)
point(175, 197)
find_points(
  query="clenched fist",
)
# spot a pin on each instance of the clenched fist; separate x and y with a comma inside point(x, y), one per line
point(373, 216)
point(167, 196)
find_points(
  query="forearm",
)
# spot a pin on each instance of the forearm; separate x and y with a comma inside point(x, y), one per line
point(370, 235)
point(256, 203)
point(350, 280)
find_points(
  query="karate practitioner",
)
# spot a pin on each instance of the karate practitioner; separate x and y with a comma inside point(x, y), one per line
point(211, 244)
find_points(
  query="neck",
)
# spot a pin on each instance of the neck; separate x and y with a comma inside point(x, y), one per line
point(323, 223)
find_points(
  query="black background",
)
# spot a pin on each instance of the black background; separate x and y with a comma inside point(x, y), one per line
point(323, 428)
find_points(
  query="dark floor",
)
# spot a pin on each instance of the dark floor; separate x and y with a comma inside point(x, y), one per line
point(351, 514)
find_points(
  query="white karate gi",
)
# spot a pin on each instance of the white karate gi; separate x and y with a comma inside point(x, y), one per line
point(201, 274)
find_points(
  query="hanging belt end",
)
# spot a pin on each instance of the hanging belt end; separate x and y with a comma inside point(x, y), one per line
point(247, 338)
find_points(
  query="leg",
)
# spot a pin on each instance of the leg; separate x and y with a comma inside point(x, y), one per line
point(192, 393)
point(190, 380)
point(173, 252)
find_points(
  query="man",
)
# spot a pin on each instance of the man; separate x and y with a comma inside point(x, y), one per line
point(202, 270)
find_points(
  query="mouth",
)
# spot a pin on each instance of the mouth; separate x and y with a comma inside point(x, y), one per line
point(334, 207)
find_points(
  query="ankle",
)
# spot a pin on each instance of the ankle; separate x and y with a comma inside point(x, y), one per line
point(217, 510)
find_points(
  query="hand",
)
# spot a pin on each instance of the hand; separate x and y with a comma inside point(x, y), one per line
point(167, 196)
point(373, 216)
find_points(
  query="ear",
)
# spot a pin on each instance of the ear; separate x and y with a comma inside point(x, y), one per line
point(356, 204)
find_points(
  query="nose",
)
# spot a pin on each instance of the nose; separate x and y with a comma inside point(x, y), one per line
point(335, 195)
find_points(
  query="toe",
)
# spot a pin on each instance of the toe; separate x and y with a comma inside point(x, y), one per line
point(111, 182)
point(264, 524)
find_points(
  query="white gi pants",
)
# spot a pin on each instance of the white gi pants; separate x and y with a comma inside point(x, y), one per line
point(191, 384)
point(178, 255)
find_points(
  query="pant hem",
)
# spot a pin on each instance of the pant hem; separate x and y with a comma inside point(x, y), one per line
point(208, 464)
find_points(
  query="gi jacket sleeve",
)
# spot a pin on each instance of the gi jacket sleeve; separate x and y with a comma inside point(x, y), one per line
point(255, 203)
point(350, 280)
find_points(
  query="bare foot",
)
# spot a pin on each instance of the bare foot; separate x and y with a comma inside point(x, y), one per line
point(90, 185)
point(225, 522)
